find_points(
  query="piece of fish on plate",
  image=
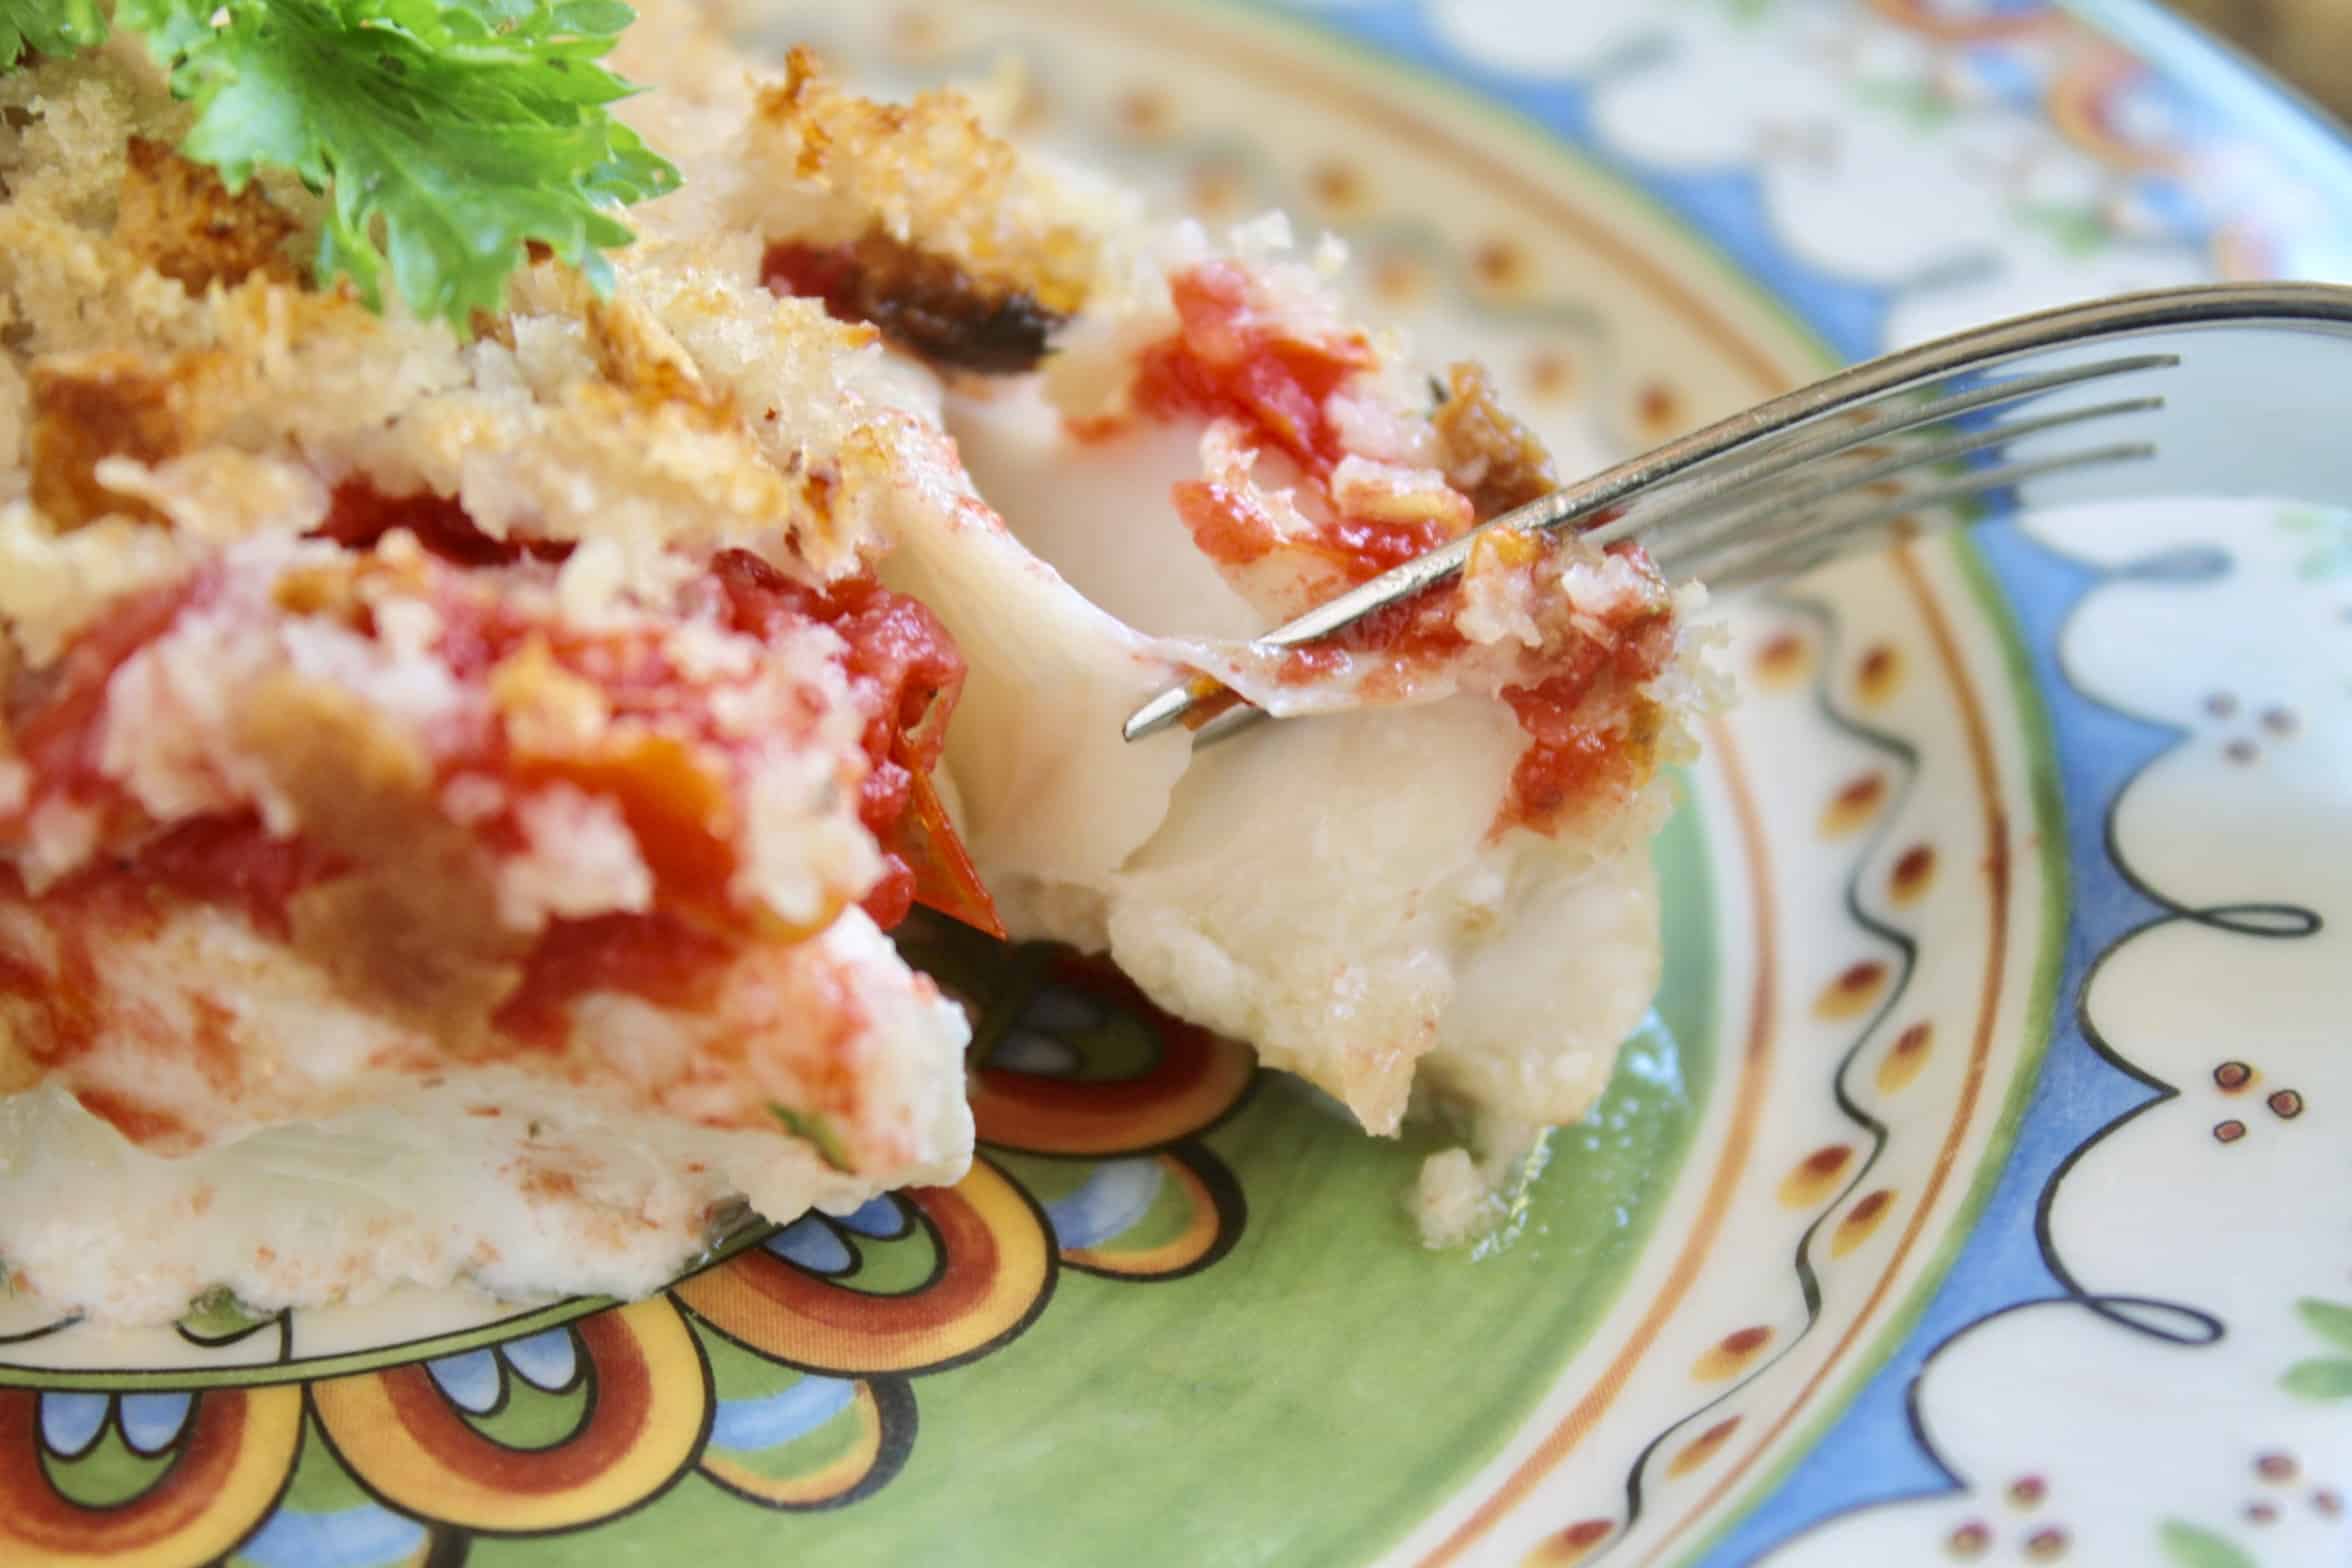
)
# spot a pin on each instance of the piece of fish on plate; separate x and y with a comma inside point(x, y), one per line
point(457, 784)
point(1435, 891)
point(454, 785)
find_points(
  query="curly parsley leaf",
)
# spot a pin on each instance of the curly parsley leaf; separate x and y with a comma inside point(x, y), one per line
point(448, 134)
point(56, 27)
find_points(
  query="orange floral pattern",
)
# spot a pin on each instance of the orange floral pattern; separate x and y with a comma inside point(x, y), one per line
point(782, 1372)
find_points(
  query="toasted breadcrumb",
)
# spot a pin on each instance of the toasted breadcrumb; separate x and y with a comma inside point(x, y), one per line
point(928, 175)
point(87, 408)
point(149, 315)
point(219, 487)
point(180, 219)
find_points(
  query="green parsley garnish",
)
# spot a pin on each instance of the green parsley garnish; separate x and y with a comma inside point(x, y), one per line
point(447, 134)
point(814, 1129)
point(48, 27)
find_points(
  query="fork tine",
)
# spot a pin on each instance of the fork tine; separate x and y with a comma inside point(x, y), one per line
point(1817, 541)
point(1679, 537)
point(1914, 387)
point(1823, 438)
point(1167, 708)
point(1824, 536)
point(1712, 478)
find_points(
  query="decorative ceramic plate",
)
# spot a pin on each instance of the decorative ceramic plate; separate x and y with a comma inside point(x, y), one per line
point(1982, 1187)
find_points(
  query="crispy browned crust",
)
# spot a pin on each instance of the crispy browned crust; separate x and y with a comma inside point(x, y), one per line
point(932, 178)
point(95, 406)
point(1486, 452)
point(156, 318)
point(179, 218)
point(638, 358)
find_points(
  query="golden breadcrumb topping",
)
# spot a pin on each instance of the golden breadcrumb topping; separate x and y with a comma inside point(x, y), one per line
point(180, 219)
point(929, 176)
point(152, 324)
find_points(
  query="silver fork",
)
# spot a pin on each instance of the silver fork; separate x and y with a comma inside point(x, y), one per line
point(2207, 391)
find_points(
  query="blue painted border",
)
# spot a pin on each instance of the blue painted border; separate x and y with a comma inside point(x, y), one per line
point(1875, 1450)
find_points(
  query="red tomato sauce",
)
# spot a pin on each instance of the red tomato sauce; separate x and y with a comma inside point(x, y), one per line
point(826, 273)
point(906, 672)
point(53, 722)
point(1228, 361)
point(672, 782)
point(658, 957)
point(1590, 731)
point(1575, 754)
point(360, 515)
